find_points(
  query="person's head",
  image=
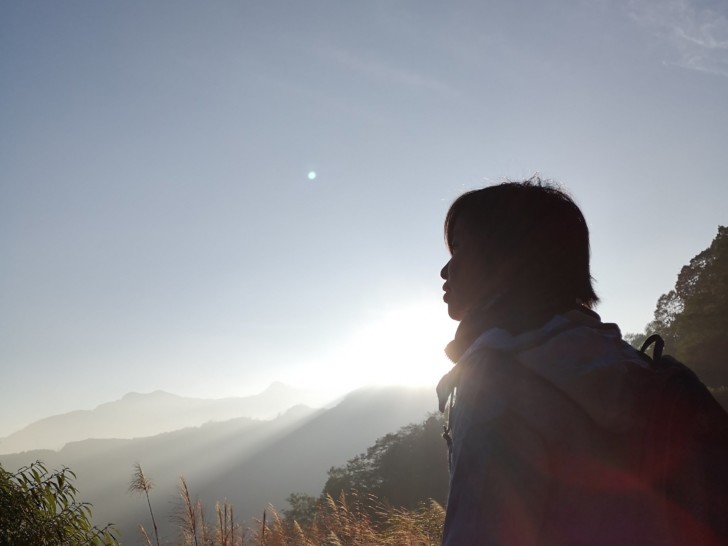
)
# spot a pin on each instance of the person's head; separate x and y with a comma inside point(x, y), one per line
point(525, 240)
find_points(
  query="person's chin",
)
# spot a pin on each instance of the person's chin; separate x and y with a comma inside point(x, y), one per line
point(454, 311)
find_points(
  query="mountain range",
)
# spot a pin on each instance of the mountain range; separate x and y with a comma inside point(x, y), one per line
point(248, 462)
point(130, 416)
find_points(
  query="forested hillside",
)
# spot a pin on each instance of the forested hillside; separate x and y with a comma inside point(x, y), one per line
point(692, 318)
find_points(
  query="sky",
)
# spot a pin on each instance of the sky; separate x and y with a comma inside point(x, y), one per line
point(205, 197)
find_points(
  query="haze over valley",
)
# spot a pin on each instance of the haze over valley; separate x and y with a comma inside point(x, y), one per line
point(251, 462)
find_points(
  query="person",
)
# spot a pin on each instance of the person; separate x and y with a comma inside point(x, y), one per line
point(542, 407)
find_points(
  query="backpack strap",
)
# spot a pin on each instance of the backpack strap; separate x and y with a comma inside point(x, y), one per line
point(659, 346)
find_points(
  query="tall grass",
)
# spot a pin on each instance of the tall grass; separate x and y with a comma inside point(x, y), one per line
point(347, 521)
point(140, 483)
point(350, 521)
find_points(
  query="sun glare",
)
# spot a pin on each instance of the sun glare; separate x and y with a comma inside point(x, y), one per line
point(401, 347)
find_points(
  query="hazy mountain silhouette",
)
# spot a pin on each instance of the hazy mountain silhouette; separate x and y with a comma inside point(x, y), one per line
point(249, 462)
point(137, 415)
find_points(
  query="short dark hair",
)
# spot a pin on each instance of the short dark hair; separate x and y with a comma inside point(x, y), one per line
point(536, 228)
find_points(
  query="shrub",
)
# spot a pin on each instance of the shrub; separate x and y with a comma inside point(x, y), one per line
point(39, 507)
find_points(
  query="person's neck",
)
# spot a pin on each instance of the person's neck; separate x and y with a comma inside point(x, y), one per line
point(507, 311)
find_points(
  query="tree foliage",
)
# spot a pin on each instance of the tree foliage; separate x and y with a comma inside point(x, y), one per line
point(693, 317)
point(39, 507)
point(403, 469)
point(302, 508)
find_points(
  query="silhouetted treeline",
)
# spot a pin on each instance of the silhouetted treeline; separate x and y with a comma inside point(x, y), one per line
point(402, 470)
point(692, 318)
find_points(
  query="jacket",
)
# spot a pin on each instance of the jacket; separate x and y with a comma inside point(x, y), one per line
point(540, 426)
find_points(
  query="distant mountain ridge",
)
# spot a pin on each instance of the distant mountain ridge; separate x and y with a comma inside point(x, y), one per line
point(138, 415)
point(249, 462)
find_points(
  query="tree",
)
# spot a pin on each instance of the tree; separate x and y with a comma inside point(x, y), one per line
point(38, 507)
point(693, 317)
point(303, 509)
point(403, 469)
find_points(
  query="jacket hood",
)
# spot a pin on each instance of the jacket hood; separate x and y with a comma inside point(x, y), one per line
point(584, 358)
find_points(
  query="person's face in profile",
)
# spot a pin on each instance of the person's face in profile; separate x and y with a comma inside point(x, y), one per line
point(466, 274)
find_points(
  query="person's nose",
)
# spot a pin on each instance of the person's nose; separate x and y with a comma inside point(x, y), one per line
point(443, 271)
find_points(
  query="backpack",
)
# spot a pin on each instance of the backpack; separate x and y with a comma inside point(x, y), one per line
point(684, 450)
point(678, 448)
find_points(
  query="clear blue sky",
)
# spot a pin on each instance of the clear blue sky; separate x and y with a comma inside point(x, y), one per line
point(159, 230)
